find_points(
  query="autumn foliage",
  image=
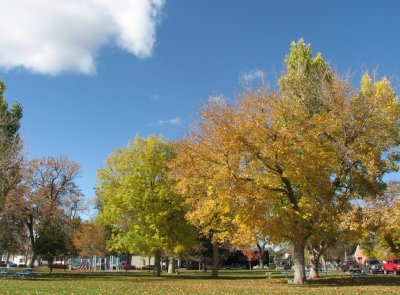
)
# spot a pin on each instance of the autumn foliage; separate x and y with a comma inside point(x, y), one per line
point(290, 163)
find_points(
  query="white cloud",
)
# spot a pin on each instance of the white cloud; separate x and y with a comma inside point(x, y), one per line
point(252, 75)
point(53, 36)
point(174, 121)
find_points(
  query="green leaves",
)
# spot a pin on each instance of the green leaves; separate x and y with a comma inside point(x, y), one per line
point(137, 198)
point(305, 77)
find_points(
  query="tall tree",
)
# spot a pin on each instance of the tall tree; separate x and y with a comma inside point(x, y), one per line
point(317, 144)
point(43, 195)
point(137, 198)
point(10, 145)
point(202, 186)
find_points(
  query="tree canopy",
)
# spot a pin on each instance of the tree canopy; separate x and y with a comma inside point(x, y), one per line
point(10, 144)
point(287, 159)
point(137, 199)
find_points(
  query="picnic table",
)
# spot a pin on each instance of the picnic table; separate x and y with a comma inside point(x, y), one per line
point(26, 273)
point(7, 272)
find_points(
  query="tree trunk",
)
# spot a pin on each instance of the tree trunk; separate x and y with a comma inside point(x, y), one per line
point(29, 224)
point(50, 261)
point(171, 266)
point(316, 251)
point(314, 267)
point(215, 260)
point(298, 258)
point(250, 264)
point(261, 249)
point(26, 258)
point(167, 263)
point(157, 263)
point(33, 259)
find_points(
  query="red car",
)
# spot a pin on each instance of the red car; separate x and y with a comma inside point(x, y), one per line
point(392, 265)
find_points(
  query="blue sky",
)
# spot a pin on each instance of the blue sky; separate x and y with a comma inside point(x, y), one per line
point(154, 80)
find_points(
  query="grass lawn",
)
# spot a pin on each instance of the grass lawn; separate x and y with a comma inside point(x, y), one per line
point(194, 282)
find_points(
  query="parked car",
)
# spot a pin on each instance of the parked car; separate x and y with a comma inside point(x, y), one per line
point(147, 267)
point(126, 266)
point(372, 266)
point(345, 266)
point(392, 265)
point(258, 266)
point(12, 264)
point(355, 269)
point(235, 266)
point(9, 264)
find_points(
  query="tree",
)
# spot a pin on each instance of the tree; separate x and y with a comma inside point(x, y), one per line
point(43, 195)
point(137, 199)
point(286, 159)
point(91, 239)
point(251, 254)
point(13, 235)
point(10, 145)
point(53, 241)
point(262, 243)
point(201, 189)
point(333, 228)
point(379, 227)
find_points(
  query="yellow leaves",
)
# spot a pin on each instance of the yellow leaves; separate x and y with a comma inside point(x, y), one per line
point(366, 84)
point(293, 160)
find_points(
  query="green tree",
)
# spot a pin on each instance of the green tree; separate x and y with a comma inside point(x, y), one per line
point(52, 241)
point(136, 197)
point(10, 144)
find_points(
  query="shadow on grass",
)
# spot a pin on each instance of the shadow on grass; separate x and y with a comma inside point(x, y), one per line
point(277, 277)
point(148, 275)
point(355, 281)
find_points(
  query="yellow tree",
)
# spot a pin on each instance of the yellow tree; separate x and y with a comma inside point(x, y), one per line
point(210, 191)
point(338, 224)
point(284, 160)
point(137, 199)
point(380, 226)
